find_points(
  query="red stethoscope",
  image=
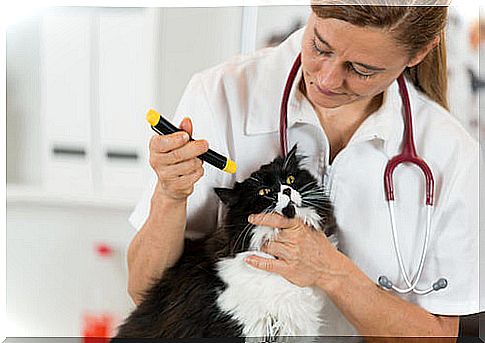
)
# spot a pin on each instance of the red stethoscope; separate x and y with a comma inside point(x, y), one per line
point(407, 155)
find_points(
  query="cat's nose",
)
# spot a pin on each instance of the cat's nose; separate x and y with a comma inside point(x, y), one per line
point(287, 191)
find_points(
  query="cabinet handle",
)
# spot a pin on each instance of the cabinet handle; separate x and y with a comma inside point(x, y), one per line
point(122, 155)
point(69, 151)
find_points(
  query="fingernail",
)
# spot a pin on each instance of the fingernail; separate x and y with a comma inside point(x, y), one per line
point(247, 259)
point(251, 217)
point(185, 137)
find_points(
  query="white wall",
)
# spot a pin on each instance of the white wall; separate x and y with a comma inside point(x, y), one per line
point(52, 273)
point(23, 101)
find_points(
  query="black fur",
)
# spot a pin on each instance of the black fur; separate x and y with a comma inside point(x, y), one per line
point(183, 302)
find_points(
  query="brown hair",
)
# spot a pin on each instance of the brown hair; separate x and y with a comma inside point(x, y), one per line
point(413, 27)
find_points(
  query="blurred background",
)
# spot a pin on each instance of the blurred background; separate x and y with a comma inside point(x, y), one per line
point(79, 81)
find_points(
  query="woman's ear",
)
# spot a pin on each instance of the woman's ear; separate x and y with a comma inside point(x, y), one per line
point(421, 55)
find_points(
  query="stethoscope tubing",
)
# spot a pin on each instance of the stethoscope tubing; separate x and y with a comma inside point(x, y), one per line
point(407, 155)
point(411, 285)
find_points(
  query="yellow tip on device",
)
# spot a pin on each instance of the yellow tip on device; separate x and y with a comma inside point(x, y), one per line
point(153, 117)
point(230, 167)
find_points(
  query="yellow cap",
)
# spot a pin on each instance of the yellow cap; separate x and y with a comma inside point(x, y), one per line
point(153, 117)
point(230, 167)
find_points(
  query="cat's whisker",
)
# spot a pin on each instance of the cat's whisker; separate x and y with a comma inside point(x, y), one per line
point(319, 195)
point(229, 225)
point(242, 235)
point(317, 207)
point(248, 231)
point(246, 235)
point(315, 193)
point(323, 207)
point(313, 190)
point(245, 231)
point(310, 184)
point(316, 200)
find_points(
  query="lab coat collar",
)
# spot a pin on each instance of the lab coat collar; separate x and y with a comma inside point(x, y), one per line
point(386, 124)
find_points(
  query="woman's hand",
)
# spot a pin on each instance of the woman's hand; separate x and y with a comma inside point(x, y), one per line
point(305, 257)
point(175, 161)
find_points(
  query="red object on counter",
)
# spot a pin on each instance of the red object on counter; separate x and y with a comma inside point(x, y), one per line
point(97, 328)
point(103, 249)
point(98, 322)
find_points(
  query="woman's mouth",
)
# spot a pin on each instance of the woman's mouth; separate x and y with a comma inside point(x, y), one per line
point(327, 91)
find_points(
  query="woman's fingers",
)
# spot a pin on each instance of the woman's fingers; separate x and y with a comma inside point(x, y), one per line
point(186, 125)
point(183, 182)
point(269, 265)
point(174, 158)
point(179, 152)
point(273, 220)
point(278, 249)
point(182, 168)
point(167, 143)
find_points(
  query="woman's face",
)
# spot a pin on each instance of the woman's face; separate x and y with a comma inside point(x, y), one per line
point(343, 63)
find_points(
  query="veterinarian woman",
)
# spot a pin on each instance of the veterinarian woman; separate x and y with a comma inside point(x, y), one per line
point(346, 113)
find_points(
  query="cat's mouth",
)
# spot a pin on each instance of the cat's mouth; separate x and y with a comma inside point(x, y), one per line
point(289, 204)
point(290, 210)
point(264, 234)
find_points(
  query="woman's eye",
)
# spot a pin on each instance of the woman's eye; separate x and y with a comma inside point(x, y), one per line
point(290, 179)
point(360, 73)
point(319, 50)
point(264, 191)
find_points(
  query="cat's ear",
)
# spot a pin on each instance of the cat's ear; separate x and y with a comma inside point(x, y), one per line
point(292, 152)
point(227, 195)
point(293, 157)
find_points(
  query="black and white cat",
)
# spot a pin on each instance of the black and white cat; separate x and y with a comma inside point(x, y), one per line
point(212, 292)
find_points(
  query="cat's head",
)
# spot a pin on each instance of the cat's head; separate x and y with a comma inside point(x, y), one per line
point(281, 186)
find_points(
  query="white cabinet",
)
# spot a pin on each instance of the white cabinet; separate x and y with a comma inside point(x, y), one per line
point(127, 78)
point(98, 80)
point(101, 70)
point(66, 101)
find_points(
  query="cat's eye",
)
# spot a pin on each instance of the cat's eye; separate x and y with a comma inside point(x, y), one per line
point(290, 180)
point(264, 191)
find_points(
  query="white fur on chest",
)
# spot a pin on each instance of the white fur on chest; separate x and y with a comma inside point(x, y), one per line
point(265, 303)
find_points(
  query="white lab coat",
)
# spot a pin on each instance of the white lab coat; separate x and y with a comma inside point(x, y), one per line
point(235, 106)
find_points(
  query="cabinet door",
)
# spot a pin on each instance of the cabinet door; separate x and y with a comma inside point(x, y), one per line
point(66, 101)
point(126, 91)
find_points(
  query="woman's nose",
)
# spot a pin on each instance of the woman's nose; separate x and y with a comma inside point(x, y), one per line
point(330, 76)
